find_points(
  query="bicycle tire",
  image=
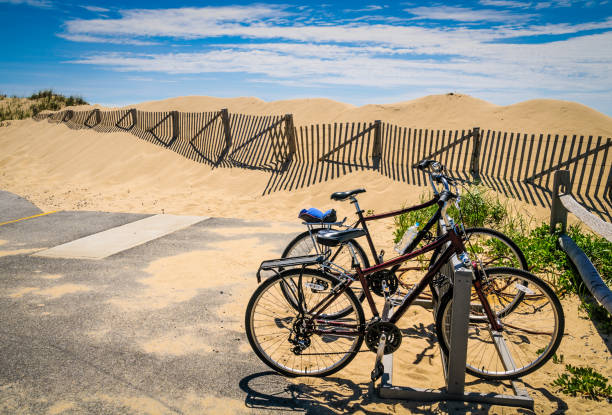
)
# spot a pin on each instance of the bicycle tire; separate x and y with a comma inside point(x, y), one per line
point(268, 309)
point(532, 331)
point(475, 238)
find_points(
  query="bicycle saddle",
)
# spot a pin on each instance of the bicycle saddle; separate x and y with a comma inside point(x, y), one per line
point(314, 215)
point(344, 195)
point(333, 238)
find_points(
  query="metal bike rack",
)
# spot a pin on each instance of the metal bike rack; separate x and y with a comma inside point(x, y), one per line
point(454, 368)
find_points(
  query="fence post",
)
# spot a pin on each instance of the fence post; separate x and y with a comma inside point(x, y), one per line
point(134, 118)
point(68, 115)
point(475, 161)
point(226, 127)
point(290, 133)
point(558, 213)
point(608, 188)
point(175, 125)
point(377, 147)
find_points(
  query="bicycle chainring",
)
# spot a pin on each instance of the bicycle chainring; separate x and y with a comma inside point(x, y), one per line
point(375, 282)
point(375, 330)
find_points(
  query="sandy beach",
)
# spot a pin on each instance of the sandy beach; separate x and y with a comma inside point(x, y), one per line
point(58, 168)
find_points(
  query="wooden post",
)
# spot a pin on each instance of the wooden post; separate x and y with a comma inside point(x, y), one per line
point(377, 147)
point(175, 125)
point(226, 127)
point(134, 118)
point(68, 115)
point(95, 113)
point(290, 133)
point(475, 161)
point(558, 213)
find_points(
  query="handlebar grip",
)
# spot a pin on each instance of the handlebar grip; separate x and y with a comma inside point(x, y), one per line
point(423, 164)
point(444, 197)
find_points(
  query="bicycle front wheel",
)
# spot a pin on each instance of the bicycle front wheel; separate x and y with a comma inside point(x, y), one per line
point(531, 332)
point(491, 249)
point(288, 340)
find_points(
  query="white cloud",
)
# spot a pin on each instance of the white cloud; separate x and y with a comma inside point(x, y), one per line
point(580, 64)
point(34, 3)
point(95, 9)
point(506, 3)
point(369, 8)
point(187, 23)
point(308, 53)
point(110, 40)
point(462, 14)
point(260, 22)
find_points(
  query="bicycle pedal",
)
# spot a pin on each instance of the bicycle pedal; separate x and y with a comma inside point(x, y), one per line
point(378, 371)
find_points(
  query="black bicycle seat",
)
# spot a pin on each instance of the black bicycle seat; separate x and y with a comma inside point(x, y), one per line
point(333, 238)
point(344, 195)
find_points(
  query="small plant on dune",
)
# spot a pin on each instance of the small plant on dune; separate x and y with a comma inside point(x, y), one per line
point(39, 101)
point(557, 359)
point(478, 208)
point(597, 313)
point(583, 381)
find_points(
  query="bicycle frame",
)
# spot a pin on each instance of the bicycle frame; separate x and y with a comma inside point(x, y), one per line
point(456, 247)
point(362, 221)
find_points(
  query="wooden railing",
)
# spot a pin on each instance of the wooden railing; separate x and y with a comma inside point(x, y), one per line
point(562, 203)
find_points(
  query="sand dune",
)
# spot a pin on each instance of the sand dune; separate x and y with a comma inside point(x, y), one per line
point(456, 111)
point(59, 168)
point(117, 171)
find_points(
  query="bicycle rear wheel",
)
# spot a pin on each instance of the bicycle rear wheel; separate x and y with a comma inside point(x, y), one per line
point(303, 244)
point(285, 337)
point(531, 333)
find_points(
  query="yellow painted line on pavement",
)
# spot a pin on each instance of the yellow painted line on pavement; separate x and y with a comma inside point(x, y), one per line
point(29, 217)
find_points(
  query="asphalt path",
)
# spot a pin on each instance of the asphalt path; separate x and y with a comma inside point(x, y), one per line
point(77, 336)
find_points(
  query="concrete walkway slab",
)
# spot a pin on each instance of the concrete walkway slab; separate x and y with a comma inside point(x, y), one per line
point(115, 240)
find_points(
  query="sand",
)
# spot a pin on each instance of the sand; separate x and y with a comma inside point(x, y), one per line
point(62, 169)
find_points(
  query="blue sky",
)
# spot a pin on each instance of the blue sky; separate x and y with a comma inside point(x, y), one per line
point(117, 53)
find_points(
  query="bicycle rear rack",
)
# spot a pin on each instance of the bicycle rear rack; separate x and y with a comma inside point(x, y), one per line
point(276, 264)
point(454, 367)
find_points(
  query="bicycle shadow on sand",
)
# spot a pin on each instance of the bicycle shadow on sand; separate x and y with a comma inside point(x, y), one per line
point(269, 391)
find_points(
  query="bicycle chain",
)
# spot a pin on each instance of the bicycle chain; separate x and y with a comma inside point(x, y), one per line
point(325, 354)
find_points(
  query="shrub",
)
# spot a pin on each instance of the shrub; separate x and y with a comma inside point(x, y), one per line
point(39, 101)
point(583, 381)
point(543, 255)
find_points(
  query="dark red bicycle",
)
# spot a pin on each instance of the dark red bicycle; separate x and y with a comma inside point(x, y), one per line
point(491, 247)
point(304, 321)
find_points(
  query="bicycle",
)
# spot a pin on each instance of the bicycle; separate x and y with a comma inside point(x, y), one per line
point(493, 248)
point(307, 322)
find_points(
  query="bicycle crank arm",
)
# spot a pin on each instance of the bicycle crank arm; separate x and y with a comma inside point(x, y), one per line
point(378, 366)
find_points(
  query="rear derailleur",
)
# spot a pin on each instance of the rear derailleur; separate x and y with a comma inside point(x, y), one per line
point(299, 336)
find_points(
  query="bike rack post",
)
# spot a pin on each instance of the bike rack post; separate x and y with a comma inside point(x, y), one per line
point(454, 367)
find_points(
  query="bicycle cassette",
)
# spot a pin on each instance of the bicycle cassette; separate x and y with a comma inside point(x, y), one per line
point(375, 281)
point(375, 330)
